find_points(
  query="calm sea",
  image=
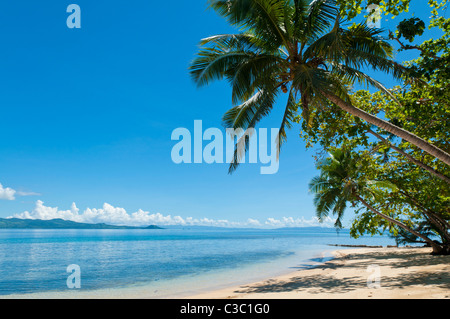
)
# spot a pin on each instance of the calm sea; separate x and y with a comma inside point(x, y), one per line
point(164, 262)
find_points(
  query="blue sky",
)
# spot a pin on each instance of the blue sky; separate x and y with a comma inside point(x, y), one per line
point(87, 116)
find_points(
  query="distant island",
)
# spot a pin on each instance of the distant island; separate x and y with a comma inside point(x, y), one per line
point(17, 223)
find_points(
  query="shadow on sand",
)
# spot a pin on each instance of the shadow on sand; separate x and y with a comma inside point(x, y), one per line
point(329, 284)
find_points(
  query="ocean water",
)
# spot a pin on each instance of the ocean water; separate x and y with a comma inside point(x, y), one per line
point(160, 263)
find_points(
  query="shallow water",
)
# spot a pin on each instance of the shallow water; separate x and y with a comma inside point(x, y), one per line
point(163, 261)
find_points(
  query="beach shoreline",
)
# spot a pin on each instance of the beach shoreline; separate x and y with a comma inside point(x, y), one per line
point(360, 273)
point(395, 273)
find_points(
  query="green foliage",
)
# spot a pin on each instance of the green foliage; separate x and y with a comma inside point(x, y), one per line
point(415, 190)
point(410, 28)
point(420, 199)
point(403, 237)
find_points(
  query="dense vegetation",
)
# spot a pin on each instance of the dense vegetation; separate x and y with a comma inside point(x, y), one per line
point(389, 150)
point(416, 190)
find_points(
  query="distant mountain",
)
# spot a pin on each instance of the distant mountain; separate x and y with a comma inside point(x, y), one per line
point(8, 223)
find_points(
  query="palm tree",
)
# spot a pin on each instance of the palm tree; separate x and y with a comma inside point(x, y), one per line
point(339, 183)
point(423, 227)
point(300, 49)
point(419, 163)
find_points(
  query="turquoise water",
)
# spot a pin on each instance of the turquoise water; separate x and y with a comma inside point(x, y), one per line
point(36, 261)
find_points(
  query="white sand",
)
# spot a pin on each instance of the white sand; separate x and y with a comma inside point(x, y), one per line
point(403, 273)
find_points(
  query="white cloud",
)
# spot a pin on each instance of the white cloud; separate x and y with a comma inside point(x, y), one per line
point(253, 222)
point(7, 193)
point(10, 194)
point(22, 193)
point(41, 211)
point(298, 222)
point(109, 214)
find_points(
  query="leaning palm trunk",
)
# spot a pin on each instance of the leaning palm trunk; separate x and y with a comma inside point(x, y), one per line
point(412, 159)
point(436, 219)
point(384, 125)
point(437, 249)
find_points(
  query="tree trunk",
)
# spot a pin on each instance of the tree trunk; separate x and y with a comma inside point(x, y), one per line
point(384, 125)
point(437, 249)
point(412, 159)
point(434, 218)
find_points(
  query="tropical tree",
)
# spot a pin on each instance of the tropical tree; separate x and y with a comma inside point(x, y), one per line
point(301, 49)
point(403, 237)
point(421, 199)
point(341, 182)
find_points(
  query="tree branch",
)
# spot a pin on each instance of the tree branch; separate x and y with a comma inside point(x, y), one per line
point(411, 47)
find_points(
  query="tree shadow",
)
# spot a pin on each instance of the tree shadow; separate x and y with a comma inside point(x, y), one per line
point(400, 259)
point(316, 283)
point(319, 283)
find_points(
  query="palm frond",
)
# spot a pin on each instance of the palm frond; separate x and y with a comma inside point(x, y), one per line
point(212, 64)
point(352, 76)
point(241, 41)
point(328, 46)
point(339, 209)
point(365, 39)
point(264, 17)
point(246, 116)
point(299, 18)
point(288, 118)
point(366, 48)
point(249, 113)
point(253, 73)
point(318, 184)
point(320, 17)
point(325, 202)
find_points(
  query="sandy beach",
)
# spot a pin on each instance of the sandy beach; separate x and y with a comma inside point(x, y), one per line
point(393, 273)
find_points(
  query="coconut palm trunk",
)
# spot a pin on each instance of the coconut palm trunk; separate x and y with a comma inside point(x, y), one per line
point(437, 249)
point(391, 128)
point(412, 159)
